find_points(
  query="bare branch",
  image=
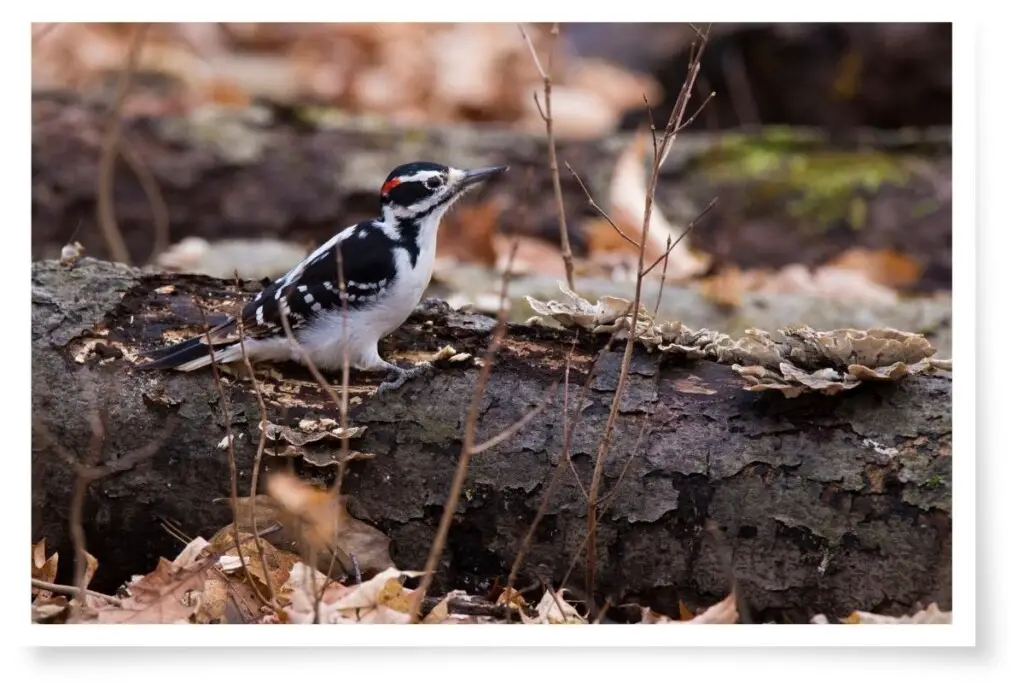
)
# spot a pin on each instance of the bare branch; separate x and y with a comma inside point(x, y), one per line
point(462, 469)
point(547, 117)
point(679, 239)
point(510, 431)
point(256, 465)
point(533, 52)
point(232, 464)
point(661, 284)
point(157, 205)
point(105, 214)
point(73, 591)
point(593, 205)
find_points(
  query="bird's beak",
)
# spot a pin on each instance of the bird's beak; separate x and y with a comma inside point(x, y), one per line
point(478, 175)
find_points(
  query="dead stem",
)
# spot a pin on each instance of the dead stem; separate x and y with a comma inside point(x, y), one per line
point(105, 214)
point(568, 434)
point(546, 116)
point(468, 438)
point(74, 591)
point(510, 431)
point(593, 205)
point(679, 239)
point(605, 502)
point(661, 149)
point(157, 205)
point(661, 284)
point(90, 471)
point(256, 465)
point(232, 465)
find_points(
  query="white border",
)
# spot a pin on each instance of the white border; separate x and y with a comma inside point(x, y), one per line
point(960, 633)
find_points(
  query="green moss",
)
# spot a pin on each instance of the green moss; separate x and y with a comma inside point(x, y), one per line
point(794, 171)
point(933, 482)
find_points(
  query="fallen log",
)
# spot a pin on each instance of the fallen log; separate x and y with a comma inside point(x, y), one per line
point(823, 504)
point(299, 174)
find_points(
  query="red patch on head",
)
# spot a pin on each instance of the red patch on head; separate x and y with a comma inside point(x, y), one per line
point(389, 185)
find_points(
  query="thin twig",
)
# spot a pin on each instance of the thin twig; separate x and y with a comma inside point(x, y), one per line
point(256, 465)
point(105, 214)
point(232, 465)
point(593, 205)
point(510, 431)
point(661, 284)
point(610, 496)
point(345, 369)
point(322, 381)
point(462, 469)
point(661, 149)
point(568, 434)
point(157, 205)
point(546, 116)
point(680, 238)
point(605, 502)
point(98, 421)
point(74, 591)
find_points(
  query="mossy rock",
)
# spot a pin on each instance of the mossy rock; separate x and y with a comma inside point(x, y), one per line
point(786, 170)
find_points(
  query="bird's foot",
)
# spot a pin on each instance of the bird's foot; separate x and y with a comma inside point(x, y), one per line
point(401, 376)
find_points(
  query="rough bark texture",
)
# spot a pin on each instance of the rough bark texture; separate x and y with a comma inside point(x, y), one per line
point(785, 196)
point(825, 504)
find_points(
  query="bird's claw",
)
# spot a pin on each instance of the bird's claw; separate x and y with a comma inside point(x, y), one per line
point(401, 376)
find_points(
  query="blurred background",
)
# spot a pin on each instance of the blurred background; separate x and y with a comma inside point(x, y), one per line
point(239, 147)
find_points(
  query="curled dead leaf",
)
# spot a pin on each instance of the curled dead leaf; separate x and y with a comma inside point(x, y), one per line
point(43, 568)
point(315, 519)
point(930, 615)
point(169, 594)
point(553, 609)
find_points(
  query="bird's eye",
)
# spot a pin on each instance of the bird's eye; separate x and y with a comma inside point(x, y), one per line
point(434, 183)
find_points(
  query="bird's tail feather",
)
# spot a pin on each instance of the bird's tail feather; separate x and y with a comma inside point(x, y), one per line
point(189, 355)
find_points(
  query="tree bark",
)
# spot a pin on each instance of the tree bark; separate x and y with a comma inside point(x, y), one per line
point(824, 504)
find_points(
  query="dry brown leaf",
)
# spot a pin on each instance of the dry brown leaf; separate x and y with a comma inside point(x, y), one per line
point(726, 288)
point(931, 615)
point(723, 612)
point(167, 595)
point(91, 565)
point(284, 531)
point(439, 614)
point(886, 267)
point(628, 197)
point(469, 234)
point(322, 521)
point(43, 568)
point(380, 600)
point(510, 596)
point(369, 546)
point(534, 256)
point(829, 282)
point(553, 609)
point(314, 511)
point(406, 72)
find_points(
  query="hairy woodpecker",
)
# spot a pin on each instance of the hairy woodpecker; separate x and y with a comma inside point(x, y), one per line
point(387, 264)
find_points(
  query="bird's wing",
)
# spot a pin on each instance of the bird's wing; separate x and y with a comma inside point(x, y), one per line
point(312, 287)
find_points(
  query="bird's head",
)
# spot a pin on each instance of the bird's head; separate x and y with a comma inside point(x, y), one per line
point(421, 189)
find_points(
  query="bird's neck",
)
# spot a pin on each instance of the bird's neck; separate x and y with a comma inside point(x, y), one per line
point(417, 236)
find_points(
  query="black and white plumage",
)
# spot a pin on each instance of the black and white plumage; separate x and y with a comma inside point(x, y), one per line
point(387, 264)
